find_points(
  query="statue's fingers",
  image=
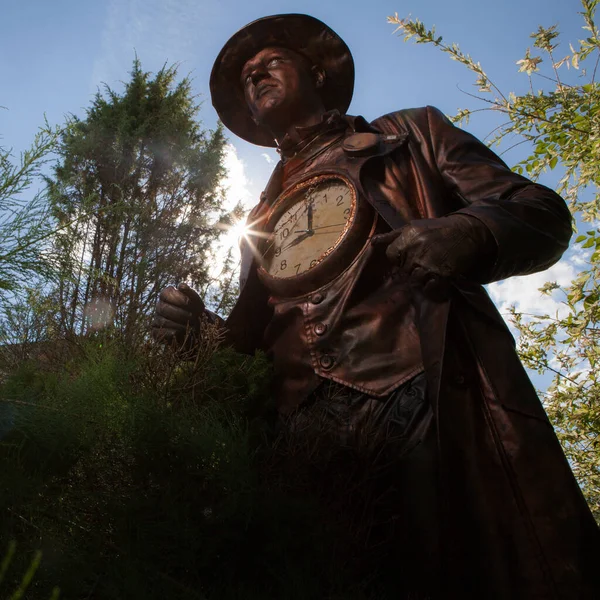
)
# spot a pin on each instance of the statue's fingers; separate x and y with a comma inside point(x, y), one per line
point(175, 314)
point(384, 239)
point(171, 295)
point(165, 335)
point(195, 302)
point(405, 249)
point(397, 253)
point(161, 322)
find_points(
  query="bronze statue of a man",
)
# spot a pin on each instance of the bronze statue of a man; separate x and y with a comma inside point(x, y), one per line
point(362, 279)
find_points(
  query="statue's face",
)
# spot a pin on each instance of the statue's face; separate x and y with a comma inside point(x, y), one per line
point(279, 85)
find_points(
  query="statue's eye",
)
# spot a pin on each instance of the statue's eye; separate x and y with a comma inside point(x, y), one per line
point(274, 61)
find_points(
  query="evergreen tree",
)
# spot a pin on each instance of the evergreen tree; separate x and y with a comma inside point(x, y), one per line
point(149, 176)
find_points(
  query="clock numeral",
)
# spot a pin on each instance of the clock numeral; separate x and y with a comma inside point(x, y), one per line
point(285, 233)
point(283, 265)
point(325, 198)
point(313, 262)
point(297, 267)
point(340, 200)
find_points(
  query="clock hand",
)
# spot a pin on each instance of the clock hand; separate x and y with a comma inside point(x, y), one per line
point(310, 216)
point(291, 227)
point(297, 241)
point(296, 216)
point(319, 227)
point(325, 226)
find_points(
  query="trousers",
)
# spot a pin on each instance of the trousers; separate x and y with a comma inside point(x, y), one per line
point(374, 461)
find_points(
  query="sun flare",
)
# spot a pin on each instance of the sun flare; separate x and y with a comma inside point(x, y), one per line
point(234, 233)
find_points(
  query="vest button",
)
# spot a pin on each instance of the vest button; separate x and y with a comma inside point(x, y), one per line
point(320, 328)
point(326, 361)
point(317, 298)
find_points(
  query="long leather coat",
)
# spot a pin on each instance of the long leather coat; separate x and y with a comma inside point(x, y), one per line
point(513, 521)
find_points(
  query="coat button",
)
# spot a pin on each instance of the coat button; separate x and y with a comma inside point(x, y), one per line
point(317, 298)
point(320, 328)
point(326, 361)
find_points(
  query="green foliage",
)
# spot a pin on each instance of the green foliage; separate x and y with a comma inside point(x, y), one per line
point(145, 475)
point(25, 226)
point(562, 124)
point(28, 318)
point(151, 180)
point(27, 577)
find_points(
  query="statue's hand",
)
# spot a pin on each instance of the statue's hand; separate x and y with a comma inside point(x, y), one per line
point(452, 247)
point(177, 316)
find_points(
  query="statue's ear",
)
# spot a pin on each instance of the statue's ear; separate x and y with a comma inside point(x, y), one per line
point(319, 75)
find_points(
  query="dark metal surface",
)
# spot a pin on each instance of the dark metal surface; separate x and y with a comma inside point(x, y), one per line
point(486, 496)
point(302, 33)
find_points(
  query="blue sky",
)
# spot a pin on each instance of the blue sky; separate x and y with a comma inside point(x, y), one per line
point(55, 55)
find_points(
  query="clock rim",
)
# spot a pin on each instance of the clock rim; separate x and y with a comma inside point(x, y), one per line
point(282, 204)
point(355, 234)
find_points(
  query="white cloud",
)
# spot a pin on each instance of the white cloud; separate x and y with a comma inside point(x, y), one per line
point(579, 256)
point(523, 292)
point(268, 158)
point(235, 183)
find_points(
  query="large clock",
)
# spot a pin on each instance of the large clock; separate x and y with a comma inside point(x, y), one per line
point(315, 230)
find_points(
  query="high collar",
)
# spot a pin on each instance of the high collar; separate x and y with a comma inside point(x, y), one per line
point(354, 124)
point(300, 137)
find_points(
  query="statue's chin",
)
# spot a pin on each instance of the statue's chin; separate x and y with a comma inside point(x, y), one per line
point(271, 124)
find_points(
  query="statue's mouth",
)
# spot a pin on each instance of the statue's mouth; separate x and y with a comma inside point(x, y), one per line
point(262, 89)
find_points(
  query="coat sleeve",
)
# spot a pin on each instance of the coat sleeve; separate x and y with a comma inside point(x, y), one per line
point(531, 224)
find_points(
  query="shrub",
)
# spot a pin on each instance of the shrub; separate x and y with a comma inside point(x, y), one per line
point(143, 475)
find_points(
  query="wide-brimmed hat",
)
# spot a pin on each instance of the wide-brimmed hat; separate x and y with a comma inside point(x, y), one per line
point(302, 33)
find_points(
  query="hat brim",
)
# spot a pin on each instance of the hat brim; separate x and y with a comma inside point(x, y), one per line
point(302, 33)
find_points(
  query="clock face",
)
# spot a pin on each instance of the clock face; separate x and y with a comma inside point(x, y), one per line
point(317, 214)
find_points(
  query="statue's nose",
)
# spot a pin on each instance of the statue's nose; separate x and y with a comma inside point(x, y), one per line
point(258, 74)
